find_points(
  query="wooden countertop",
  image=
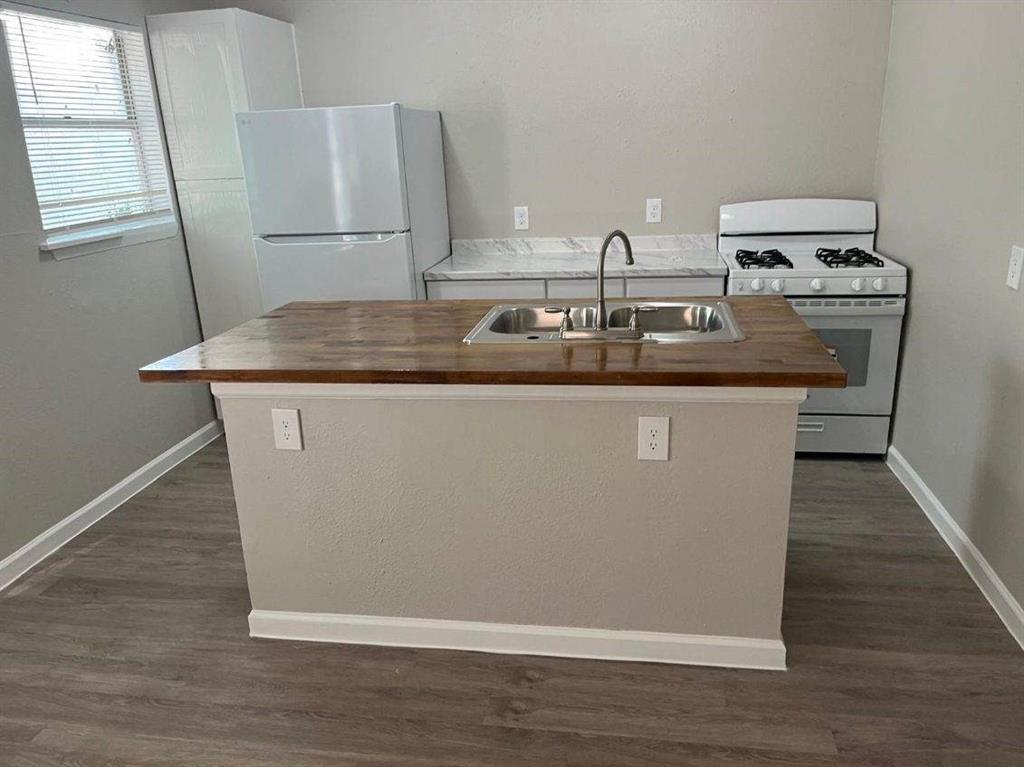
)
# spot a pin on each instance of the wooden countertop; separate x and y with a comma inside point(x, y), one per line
point(421, 342)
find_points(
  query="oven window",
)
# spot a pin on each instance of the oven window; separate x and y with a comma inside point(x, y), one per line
point(852, 349)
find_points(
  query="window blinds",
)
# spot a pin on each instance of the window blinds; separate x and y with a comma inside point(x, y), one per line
point(90, 122)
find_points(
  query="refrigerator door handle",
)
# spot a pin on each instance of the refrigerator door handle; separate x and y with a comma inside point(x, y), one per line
point(331, 239)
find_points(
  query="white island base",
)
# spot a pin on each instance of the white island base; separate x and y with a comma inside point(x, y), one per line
point(518, 519)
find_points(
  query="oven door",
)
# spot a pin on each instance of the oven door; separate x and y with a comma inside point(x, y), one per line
point(863, 334)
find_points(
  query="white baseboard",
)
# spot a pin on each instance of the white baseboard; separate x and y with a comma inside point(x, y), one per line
point(991, 585)
point(516, 639)
point(46, 543)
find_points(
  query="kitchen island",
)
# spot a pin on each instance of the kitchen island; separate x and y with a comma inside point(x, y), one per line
point(490, 497)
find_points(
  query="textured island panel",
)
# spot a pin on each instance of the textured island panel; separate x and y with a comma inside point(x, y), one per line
point(421, 342)
point(532, 513)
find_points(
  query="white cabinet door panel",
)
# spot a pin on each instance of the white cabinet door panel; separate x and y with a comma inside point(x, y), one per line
point(496, 289)
point(201, 85)
point(215, 218)
point(210, 65)
point(656, 287)
point(586, 288)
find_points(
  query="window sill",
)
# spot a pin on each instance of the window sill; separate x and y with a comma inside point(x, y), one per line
point(99, 239)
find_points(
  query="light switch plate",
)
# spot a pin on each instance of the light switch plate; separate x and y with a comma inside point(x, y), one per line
point(521, 216)
point(652, 438)
point(1016, 266)
point(287, 429)
point(653, 210)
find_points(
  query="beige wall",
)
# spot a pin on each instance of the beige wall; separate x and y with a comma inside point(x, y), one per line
point(75, 419)
point(582, 110)
point(950, 189)
point(529, 512)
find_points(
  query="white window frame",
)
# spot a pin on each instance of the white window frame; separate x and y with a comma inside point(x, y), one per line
point(109, 235)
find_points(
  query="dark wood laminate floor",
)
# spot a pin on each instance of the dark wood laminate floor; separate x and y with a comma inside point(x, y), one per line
point(129, 647)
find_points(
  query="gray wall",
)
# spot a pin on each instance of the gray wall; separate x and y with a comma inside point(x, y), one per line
point(582, 110)
point(75, 419)
point(950, 189)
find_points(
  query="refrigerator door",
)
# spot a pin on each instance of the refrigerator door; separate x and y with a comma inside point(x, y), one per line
point(337, 170)
point(339, 267)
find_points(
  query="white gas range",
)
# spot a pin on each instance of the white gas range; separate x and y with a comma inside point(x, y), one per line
point(819, 254)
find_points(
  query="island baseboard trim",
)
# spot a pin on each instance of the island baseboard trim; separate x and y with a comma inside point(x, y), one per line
point(730, 394)
point(974, 562)
point(52, 539)
point(516, 639)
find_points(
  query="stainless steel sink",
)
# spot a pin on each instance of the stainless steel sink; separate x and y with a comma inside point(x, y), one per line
point(661, 322)
point(527, 320)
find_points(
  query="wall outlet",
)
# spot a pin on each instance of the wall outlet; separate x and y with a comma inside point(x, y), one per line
point(653, 210)
point(287, 429)
point(652, 438)
point(521, 217)
point(1016, 265)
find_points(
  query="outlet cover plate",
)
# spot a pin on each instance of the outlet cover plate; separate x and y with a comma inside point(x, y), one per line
point(521, 217)
point(287, 429)
point(652, 438)
point(653, 210)
point(1016, 267)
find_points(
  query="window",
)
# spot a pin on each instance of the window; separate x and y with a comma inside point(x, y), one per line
point(90, 125)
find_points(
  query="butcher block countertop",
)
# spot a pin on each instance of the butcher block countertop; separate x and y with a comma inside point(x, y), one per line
point(421, 342)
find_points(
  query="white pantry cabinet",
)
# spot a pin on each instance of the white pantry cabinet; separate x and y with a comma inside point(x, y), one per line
point(210, 65)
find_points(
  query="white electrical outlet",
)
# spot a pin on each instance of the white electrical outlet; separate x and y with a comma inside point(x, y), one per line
point(521, 217)
point(652, 438)
point(287, 429)
point(1016, 266)
point(653, 210)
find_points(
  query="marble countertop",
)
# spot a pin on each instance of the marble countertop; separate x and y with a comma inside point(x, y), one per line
point(576, 258)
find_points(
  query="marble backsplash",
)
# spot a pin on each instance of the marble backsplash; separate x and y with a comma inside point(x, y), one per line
point(528, 246)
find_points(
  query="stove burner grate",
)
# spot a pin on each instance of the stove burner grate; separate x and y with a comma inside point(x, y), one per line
point(851, 258)
point(766, 259)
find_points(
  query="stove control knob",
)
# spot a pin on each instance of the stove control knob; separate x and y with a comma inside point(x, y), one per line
point(757, 284)
point(857, 285)
point(778, 285)
point(879, 283)
point(817, 285)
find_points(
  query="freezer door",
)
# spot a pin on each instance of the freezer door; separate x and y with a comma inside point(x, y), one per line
point(341, 267)
point(337, 170)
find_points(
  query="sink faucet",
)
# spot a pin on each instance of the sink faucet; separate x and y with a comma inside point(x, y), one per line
point(601, 321)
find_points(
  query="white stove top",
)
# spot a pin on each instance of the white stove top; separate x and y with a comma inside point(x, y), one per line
point(797, 228)
point(809, 276)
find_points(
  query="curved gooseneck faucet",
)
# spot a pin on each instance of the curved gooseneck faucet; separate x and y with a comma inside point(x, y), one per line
point(601, 321)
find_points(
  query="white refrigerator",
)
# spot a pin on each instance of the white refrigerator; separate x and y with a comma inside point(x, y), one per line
point(346, 202)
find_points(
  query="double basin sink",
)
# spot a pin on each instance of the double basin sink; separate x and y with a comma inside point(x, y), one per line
point(661, 322)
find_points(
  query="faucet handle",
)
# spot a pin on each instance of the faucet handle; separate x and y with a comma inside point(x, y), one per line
point(634, 315)
point(567, 323)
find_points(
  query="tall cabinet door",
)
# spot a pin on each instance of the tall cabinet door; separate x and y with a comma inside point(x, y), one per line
point(198, 64)
point(215, 217)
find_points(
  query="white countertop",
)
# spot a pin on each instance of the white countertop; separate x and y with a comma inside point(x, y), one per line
point(573, 258)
